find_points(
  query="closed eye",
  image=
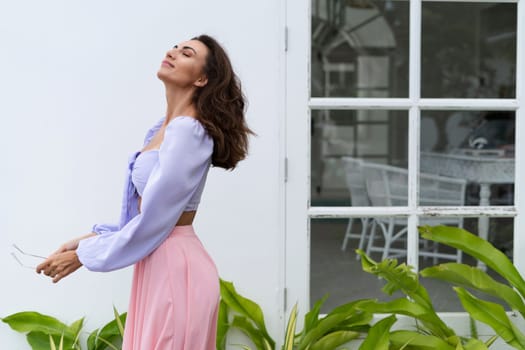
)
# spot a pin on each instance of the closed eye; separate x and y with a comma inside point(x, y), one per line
point(186, 50)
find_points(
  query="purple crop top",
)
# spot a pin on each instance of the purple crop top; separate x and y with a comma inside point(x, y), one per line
point(170, 180)
point(142, 168)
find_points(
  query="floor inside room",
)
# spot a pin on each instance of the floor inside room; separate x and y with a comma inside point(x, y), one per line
point(339, 274)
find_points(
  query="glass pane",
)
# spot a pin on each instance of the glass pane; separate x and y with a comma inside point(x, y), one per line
point(334, 267)
point(336, 271)
point(346, 144)
point(467, 158)
point(359, 48)
point(468, 50)
point(500, 234)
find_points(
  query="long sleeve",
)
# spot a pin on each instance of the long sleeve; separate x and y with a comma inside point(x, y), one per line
point(129, 197)
point(184, 159)
point(104, 228)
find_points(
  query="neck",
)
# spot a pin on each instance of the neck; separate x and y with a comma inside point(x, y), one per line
point(179, 102)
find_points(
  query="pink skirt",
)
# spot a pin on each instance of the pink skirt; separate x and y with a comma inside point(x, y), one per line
point(174, 297)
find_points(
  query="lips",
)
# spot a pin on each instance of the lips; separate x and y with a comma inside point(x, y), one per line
point(168, 64)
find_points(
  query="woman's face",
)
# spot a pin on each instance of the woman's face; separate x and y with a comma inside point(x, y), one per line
point(183, 65)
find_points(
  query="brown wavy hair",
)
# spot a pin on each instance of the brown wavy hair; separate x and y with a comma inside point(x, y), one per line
point(221, 106)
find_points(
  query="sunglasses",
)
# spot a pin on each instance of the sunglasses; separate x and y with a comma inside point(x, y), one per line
point(20, 262)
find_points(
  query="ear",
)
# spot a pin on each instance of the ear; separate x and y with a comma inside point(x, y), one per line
point(202, 81)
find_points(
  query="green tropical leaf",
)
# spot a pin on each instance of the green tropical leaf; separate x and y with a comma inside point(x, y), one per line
point(110, 333)
point(334, 339)
point(359, 322)
point(398, 277)
point(242, 346)
point(404, 306)
point(312, 317)
point(75, 329)
point(471, 277)
point(412, 340)
point(118, 321)
point(248, 328)
point(491, 340)
point(290, 330)
point(40, 341)
point(52, 343)
point(107, 343)
point(244, 307)
point(378, 335)
point(349, 309)
point(401, 277)
point(454, 340)
point(61, 344)
point(223, 325)
point(473, 328)
point(336, 318)
point(30, 321)
point(475, 344)
point(91, 340)
point(479, 249)
point(493, 315)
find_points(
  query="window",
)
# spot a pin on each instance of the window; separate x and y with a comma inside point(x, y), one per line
point(413, 117)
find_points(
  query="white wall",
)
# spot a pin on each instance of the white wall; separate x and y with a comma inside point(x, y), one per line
point(78, 90)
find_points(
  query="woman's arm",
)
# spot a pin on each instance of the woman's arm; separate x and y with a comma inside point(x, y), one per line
point(73, 244)
point(127, 212)
point(64, 260)
point(59, 265)
point(184, 159)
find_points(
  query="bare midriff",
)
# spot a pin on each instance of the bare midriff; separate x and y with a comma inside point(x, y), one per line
point(186, 218)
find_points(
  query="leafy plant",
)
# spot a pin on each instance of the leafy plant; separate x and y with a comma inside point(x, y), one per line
point(378, 336)
point(465, 278)
point(110, 336)
point(290, 330)
point(248, 318)
point(340, 326)
point(402, 278)
point(431, 331)
point(44, 332)
point(349, 321)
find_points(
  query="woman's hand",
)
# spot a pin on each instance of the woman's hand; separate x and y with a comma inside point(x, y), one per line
point(60, 265)
point(73, 244)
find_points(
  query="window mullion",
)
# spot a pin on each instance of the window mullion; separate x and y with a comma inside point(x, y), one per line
point(414, 95)
point(359, 212)
point(456, 104)
point(474, 104)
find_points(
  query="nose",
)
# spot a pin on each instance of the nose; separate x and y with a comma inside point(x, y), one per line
point(173, 52)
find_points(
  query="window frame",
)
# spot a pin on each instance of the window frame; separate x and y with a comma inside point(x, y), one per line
point(299, 104)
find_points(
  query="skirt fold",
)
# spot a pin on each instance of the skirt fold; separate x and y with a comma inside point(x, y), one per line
point(175, 297)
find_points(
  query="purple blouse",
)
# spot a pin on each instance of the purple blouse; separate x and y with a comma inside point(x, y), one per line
point(170, 181)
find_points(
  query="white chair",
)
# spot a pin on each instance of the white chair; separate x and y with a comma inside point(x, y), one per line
point(388, 186)
point(356, 184)
point(336, 141)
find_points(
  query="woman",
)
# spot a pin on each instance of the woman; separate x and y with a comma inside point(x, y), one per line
point(175, 290)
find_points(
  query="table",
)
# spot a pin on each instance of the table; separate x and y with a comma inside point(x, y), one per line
point(484, 170)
